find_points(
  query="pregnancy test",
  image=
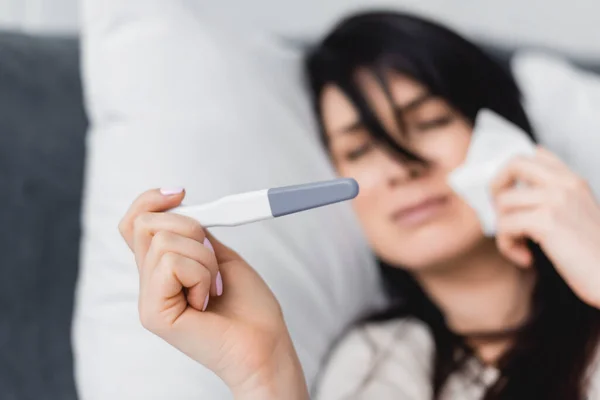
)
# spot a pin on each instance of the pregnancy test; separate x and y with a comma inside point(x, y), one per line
point(264, 204)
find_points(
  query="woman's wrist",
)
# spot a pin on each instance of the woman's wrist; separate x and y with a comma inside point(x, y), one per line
point(282, 378)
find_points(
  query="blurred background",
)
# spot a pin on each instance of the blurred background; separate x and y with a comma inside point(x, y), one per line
point(43, 128)
point(566, 25)
point(40, 15)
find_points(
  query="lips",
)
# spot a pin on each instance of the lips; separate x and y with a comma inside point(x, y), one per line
point(420, 211)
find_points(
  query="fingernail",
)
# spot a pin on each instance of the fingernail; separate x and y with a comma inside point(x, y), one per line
point(171, 191)
point(205, 303)
point(219, 284)
point(208, 245)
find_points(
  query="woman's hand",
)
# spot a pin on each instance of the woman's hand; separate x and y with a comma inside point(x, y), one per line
point(556, 209)
point(205, 300)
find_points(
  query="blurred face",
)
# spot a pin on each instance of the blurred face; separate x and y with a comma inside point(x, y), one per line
point(409, 213)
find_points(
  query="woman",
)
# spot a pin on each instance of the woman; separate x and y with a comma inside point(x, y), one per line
point(512, 317)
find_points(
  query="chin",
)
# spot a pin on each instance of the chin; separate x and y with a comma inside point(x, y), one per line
point(432, 249)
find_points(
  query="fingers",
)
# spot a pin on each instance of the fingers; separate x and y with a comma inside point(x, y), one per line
point(174, 304)
point(533, 224)
point(165, 242)
point(154, 200)
point(162, 298)
point(550, 159)
point(147, 224)
point(176, 272)
point(517, 211)
point(511, 236)
point(520, 198)
point(522, 169)
point(151, 233)
point(543, 169)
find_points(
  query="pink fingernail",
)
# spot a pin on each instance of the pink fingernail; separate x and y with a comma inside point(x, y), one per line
point(171, 191)
point(208, 245)
point(219, 284)
point(205, 303)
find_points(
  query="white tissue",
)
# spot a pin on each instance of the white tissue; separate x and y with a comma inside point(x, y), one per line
point(494, 142)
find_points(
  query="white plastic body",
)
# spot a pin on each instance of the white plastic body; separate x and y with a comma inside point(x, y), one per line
point(231, 210)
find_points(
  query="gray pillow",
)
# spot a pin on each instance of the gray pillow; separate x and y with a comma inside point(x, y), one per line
point(42, 133)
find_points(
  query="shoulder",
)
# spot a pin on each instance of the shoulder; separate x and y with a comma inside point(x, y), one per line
point(379, 360)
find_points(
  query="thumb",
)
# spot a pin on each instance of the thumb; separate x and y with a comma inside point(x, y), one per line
point(156, 200)
point(169, 197)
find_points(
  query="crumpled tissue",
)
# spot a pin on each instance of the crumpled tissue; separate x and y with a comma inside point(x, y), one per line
point(495, 141)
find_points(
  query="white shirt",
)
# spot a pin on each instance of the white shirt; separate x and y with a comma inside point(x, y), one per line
point(392, 361)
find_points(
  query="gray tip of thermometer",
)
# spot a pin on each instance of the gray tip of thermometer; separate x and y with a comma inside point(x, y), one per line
point(293, 199)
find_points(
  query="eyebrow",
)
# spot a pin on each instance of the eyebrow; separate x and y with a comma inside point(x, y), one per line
point(411, 105)
point(415, 103)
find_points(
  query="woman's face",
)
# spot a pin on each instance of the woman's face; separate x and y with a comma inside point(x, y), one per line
point(409, 213)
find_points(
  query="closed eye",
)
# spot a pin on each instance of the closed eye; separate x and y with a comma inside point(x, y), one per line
point(434, 123)
point(358, 152)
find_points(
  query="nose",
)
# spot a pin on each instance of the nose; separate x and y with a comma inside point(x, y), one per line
point(400, 172)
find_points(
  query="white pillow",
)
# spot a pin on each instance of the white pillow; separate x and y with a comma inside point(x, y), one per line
point(568, 26)
point(563, 104)
point(177, 96)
